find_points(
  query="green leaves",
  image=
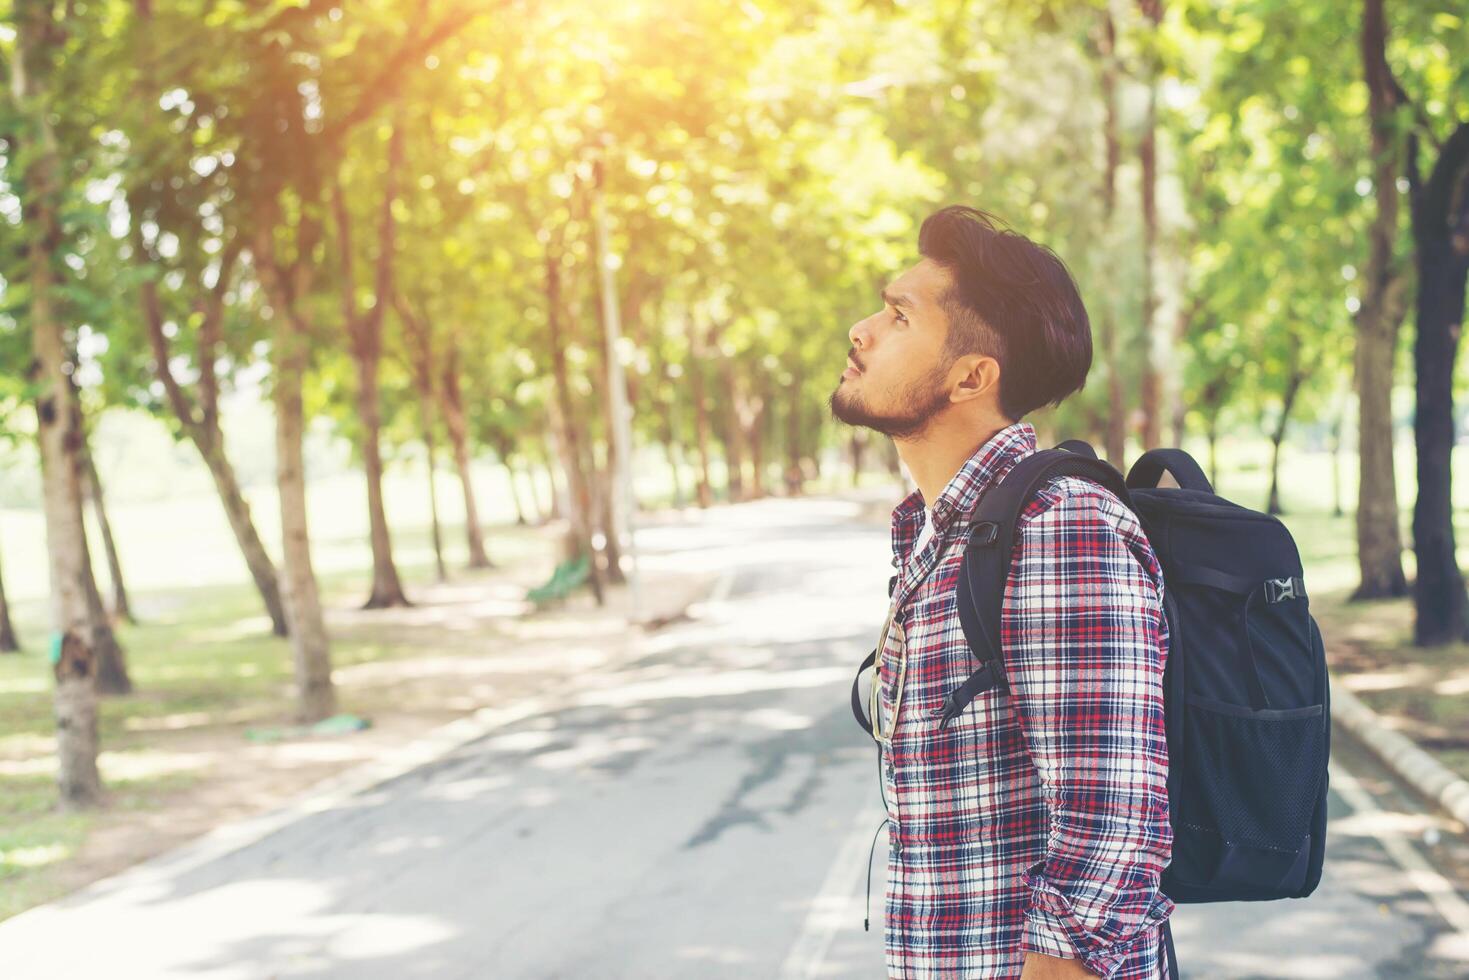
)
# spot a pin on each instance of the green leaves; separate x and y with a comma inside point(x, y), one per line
point(764, 166)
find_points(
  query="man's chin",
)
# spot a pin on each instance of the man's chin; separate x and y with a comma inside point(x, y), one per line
point(846, 410)
point(842, 406)
point(926, 401)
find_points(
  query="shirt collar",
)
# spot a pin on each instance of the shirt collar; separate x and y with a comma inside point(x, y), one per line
point(989, 463)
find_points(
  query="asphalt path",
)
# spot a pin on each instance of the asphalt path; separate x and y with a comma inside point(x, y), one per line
point(701, 808)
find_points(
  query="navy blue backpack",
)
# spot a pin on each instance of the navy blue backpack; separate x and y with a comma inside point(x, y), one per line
point(1245, 687)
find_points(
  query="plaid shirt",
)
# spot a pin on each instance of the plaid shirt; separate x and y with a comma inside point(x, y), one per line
point(1036, 821)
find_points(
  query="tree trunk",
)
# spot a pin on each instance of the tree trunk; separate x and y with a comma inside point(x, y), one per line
point(755, 436)
point(520, 517)
point(609, 499)
point(237, 512)
point(1337, 510)
point(734, 443)
point(203, 428)
point(9, 643)
point(364, 335)
point(548, 506)
point(121, 609)
point(793, 476)
point(1115, 440)
point(757, 453)
point(73, 659)
point(618, 500)
point(1214, 450)
point(426, 419)
point(1287, 402)
point(454, 420)
point(315, 693)
point(607, 511)
point(581, 502)
point(678, 494)
point(856, 447)
point(1441, 233)
point(666, 402)
point(387, 589)
point(418, 339)
point(1379, 538)
point(1154, 359)
point(1179, 405)
point(560, 508)
point(112, 667)
point(705, 490)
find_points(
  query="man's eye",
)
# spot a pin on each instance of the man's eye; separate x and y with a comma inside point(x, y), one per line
point(899, 315)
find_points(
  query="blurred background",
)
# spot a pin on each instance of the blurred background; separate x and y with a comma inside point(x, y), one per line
point(366, 366)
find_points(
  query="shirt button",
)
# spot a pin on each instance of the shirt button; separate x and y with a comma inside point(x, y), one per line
point(892, 773)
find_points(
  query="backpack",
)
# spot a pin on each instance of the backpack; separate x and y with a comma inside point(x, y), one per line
point(1246, 702)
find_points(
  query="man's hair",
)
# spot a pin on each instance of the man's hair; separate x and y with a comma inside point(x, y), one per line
point(1012, 300)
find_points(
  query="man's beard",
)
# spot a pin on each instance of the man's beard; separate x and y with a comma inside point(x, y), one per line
point(923, 399)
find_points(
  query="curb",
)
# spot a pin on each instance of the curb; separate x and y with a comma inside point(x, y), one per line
point(1399, 753)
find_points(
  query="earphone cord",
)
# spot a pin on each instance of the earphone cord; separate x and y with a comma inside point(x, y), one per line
point(867, 916)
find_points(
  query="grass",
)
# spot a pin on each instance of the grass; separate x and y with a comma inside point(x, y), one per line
point(202, 660)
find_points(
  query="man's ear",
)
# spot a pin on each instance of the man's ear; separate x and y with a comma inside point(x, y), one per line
point(978, 376)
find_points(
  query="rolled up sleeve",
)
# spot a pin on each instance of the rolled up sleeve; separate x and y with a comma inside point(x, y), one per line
point(1085, 643)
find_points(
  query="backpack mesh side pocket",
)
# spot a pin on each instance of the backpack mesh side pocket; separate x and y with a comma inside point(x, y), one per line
point(1251, 780)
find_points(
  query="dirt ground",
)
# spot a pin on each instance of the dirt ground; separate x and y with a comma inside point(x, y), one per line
point(1421, 692)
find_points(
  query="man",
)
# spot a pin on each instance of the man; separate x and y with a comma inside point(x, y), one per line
point(1028, 836)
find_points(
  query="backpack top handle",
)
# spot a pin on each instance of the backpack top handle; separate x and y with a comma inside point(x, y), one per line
point(1078, 446)
point(1151, 465)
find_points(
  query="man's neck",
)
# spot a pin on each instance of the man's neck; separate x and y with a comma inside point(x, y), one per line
point(937, 455)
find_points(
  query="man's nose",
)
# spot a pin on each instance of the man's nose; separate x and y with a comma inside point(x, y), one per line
point(861, 334)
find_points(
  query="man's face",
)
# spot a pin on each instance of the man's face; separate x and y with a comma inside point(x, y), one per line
point(896, 378)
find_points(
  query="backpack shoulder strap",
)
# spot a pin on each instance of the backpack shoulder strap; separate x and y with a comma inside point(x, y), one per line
point(986, 567)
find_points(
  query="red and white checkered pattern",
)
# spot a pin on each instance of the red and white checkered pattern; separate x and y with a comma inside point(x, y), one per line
point(1036, 821)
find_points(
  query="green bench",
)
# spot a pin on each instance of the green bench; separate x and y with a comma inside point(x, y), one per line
point(569, 576)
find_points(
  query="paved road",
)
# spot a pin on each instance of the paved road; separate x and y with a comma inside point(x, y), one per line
point(703, 809)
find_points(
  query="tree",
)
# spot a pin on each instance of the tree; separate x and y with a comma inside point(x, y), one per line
point(197, 413)
point(40, 39)
point(179, 187)
point(579, 541)
point(1440, 209)
point(1153, 352)
point(1115, 443)
point(1383, 305)
point(1431, 85)
point(452, 400)
point(364, 332)
point(9, 642)
point(419, 346)
point(287, 281)
point(121, 608)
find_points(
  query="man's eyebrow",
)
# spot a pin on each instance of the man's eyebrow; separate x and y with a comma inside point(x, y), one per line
point(897, 300)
